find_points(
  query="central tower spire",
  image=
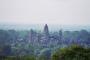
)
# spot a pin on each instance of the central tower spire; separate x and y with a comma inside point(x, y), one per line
point(46, 31)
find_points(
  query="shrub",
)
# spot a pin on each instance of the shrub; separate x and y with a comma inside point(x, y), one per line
point(74, 52)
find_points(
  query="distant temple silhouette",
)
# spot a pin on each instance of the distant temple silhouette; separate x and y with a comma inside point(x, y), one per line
point(44, 38)
point(46, 31)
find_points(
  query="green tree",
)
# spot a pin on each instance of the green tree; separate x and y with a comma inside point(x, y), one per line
point(74, 52)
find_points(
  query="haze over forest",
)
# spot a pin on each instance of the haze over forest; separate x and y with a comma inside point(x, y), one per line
point(39, 27)
point(44, 29)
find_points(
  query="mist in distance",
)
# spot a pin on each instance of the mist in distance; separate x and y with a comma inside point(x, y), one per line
point(44, 29)
point(39, 27)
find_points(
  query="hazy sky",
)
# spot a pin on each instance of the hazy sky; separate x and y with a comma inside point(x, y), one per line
point(66, 12)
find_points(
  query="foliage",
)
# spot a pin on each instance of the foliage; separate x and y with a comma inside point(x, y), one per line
point(5, 50)
point(45, 54)
point(74, 52)
point(17, 57)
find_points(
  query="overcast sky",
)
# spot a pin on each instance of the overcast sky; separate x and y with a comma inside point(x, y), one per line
point(64, 12)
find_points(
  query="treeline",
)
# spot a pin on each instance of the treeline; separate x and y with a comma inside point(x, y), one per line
point(67, 37)
point(73, 52)
point(16, 45)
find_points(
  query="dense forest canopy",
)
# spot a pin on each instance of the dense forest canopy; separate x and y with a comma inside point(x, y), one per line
point(42, 45)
